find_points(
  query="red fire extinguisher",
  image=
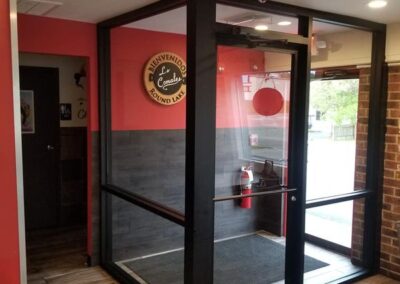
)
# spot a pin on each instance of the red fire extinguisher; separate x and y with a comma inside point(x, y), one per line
point(246, 178)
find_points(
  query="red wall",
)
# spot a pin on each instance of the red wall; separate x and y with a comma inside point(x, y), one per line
point(9, 245)
point(133, 109)
point(61, 37)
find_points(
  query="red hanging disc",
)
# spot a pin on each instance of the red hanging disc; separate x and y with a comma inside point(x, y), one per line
point(267, 101)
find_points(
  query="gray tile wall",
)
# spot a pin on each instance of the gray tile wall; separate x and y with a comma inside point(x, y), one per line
point(152, 163)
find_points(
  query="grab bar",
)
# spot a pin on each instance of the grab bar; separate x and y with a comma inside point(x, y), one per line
point(255, 194)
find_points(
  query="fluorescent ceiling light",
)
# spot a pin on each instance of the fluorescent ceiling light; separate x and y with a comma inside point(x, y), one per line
point(284, 23)
point(261, 27)
point(375, 4)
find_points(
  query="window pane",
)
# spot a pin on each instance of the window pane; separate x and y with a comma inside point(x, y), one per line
point(337, 239)
point(148, 87)
point(147, 246)
point(338, 110)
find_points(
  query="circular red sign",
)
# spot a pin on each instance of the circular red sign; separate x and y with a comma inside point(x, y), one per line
point(267, 101)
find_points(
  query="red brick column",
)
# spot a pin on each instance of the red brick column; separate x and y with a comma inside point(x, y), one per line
point(390, 253)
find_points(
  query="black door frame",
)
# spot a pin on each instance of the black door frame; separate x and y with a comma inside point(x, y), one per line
point(199, 191)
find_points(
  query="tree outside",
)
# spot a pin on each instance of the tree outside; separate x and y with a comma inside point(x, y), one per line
point(331, 157)
point(336, 100)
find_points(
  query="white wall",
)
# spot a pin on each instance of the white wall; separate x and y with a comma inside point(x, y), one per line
point(343, 49)
point(393, 43)
point(69, 91)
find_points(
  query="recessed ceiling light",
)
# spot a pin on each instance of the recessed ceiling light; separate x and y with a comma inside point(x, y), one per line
point(375, 4)
point(284, 23)
point(261, 27)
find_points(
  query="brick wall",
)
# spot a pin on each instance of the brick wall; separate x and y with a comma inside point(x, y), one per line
point(390, 253)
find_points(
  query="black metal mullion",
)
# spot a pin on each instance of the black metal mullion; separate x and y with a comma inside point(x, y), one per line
point(297, 166)
point(337, 198)
point(375, 151)
point(200, 141)
point(103, 46)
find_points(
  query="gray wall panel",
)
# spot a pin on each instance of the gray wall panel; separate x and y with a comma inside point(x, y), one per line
point(152, 163)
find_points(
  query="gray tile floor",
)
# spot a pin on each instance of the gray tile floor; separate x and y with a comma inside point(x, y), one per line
point(339, 265)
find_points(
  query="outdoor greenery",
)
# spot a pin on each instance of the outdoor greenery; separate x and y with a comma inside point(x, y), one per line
point(336, 100)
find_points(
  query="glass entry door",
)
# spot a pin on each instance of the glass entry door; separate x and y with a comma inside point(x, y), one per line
point(253, 194)
point(252, 127)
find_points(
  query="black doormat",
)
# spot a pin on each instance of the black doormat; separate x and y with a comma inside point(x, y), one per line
point(250, 260)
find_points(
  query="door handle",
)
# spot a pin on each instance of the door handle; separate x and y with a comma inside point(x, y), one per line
point(50, 148)
point(256, 194)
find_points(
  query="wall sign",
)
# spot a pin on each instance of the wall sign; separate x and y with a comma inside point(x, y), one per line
point(165, 78)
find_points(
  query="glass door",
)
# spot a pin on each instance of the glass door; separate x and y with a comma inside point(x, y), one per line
point(251, 192)
point(260, 138)
point(256, 190)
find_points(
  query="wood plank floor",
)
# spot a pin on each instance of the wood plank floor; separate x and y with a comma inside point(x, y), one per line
point(83, 276)
point(53, 252)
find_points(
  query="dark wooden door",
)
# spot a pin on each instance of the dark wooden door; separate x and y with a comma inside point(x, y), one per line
point(41, 147)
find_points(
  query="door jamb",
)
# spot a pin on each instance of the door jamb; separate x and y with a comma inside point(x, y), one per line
point(18, 140)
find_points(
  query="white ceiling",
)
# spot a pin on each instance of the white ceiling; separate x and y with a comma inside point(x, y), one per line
point(94, 11)
point(174, 21)
point(355, 8)
point(91, 11)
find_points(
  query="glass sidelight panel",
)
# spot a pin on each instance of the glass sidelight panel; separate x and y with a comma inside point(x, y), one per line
point(335, 235)
point(148, 105)
point(337, 144)
point(146, 246)
point(338, 110)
